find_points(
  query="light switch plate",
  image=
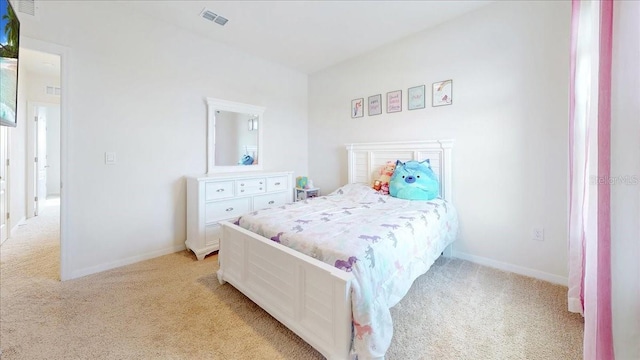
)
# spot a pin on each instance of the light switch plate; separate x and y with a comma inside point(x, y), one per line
point(110, 158)
point(537, 234)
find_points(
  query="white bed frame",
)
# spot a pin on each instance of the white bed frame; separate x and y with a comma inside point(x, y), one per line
point(311, 298)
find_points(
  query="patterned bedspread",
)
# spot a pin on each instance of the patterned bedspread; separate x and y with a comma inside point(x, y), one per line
point(384, 241)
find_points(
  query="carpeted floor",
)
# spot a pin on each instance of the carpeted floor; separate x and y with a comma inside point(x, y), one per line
point(173, 307)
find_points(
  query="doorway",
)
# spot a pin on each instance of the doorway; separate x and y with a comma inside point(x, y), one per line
point(46, 90)
point(44, 150)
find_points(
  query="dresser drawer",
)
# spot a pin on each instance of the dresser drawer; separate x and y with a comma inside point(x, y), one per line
point(218, 190)
point(213, 233)
point(277, 183)
point(226, 209)
point(250, 183)
point(251, 190)
point(250, 186)
point(269, 200)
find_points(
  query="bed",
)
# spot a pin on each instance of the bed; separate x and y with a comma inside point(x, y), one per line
point(330, 268)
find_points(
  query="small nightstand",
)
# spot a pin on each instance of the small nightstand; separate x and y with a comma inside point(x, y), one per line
point(302, 194)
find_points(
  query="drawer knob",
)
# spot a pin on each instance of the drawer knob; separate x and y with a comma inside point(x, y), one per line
point(242, 190)
point(242, 184)
point(271, 202)
point(277, 183)
point(260, 189)
point(260, 182)
point(229, 209)
point(220, 190)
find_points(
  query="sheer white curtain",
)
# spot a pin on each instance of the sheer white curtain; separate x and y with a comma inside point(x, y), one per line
point(589, 174)
point(625, 194)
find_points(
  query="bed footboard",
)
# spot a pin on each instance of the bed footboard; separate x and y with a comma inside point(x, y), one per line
point(309, 297)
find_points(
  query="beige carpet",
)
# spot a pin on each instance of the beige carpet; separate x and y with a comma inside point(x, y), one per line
point(172, 307)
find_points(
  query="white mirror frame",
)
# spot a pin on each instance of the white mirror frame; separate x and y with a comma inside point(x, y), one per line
point(224, 105)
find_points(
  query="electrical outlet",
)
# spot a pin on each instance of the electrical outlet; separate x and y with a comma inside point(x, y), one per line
point(537, 234)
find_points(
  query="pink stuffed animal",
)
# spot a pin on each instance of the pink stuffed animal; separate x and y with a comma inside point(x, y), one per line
point(382, 183)
point(387, 171)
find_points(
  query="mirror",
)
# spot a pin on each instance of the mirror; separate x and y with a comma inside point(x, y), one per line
point(236, 139)
point(234, 136)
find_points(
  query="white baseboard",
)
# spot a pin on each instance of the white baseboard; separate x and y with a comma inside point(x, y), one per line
point(541, 275)
point(13, 230)
point(128, 261)
point(15, 227)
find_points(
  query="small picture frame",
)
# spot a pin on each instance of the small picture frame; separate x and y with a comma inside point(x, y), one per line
point(375, 105)
point(357, 108)
point(394, 101)
point(415, 97)
point(442, 93)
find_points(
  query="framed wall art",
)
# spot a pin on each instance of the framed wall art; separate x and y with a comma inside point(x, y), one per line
point(10, 45)
point(394, 101)
point(357, 108)
point(442, 93)
point(375, 105)
point(415, 98)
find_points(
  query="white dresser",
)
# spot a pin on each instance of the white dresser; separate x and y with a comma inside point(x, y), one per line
point(217, 197)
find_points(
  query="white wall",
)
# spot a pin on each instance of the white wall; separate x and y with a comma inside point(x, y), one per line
point(53, 150)
point(37, 101)
point(509, 65)
point(226, 139)
point(17, 188)
point(625, 195)
point(137, 87)
point(36, 95)
point(36, 88)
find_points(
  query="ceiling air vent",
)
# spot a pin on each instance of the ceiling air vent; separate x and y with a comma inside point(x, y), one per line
point(28, 7)
point(211, 16)
point(220, 20)
point(52, 90)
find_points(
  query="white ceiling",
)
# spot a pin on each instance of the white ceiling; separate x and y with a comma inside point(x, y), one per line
point(303, 35)
point(306, 35)
point(40, 63)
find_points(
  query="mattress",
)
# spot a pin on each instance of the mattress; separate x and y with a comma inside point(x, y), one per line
point(385, 242)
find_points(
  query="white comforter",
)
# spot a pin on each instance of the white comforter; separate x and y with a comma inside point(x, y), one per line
point(384, 241)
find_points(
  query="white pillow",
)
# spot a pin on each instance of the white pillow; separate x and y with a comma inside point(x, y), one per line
point(353, 189)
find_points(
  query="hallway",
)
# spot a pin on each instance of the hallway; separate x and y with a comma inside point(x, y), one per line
point(35, 247)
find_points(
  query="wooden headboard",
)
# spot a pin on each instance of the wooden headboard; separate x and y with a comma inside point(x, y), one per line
point(365, 159)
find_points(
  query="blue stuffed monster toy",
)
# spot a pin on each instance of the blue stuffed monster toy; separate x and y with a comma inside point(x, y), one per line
point(414, 180)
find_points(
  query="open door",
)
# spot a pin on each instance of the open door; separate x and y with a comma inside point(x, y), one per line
point(40, 162)
point(4, 197)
